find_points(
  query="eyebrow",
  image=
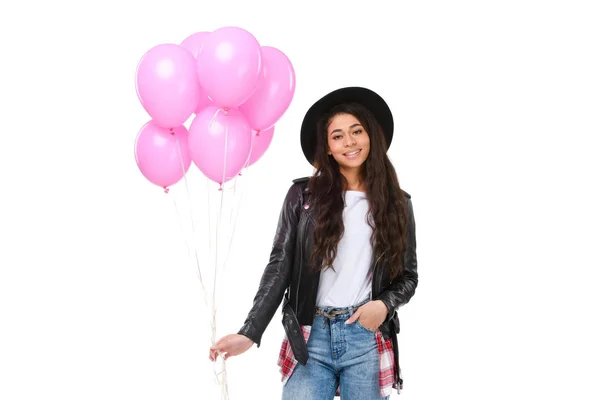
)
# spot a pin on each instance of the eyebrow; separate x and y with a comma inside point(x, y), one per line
point(339, 130)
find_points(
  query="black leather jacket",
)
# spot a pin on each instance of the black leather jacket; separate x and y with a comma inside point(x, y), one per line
point(288, 274)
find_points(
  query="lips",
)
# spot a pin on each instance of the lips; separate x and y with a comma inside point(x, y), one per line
point(353, 154)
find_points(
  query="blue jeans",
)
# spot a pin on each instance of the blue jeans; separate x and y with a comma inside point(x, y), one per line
point(339, 354)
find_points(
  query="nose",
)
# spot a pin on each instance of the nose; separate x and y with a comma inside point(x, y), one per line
point(349, 141)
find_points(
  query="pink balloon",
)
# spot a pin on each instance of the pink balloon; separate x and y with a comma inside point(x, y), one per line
point(261, 140)
point(167, 85)
point(194, 42)
point(229, 66)
point(220, 143)
point(161, 154)
point(274, 92)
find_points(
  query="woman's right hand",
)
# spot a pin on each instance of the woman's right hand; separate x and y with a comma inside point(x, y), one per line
point(230, 345)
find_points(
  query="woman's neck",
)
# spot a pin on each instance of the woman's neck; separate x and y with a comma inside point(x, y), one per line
point(354, 181)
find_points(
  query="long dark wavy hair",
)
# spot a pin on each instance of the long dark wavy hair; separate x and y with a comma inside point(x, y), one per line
point(387, 204)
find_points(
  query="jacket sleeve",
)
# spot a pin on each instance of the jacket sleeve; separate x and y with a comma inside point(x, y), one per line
point(276, 276)
point(402, 289)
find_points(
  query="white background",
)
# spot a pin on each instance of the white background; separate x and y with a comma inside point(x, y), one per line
point(497, 118)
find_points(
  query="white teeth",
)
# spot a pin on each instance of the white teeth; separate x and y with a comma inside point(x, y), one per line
point(353, 153)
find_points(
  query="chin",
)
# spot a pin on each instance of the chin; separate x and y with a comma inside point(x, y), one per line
point(352, 165)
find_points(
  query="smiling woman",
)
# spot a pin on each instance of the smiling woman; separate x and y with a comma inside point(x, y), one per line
point(349, 145)
point(344, 258)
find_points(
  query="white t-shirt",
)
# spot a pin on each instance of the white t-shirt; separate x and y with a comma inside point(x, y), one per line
point(349, 282)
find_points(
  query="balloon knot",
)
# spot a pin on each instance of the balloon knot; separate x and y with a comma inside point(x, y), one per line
point(166, 190)
point(171, 131)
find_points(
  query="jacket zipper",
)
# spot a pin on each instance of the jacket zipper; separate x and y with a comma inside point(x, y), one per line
point(374, 271)
point(301, 262)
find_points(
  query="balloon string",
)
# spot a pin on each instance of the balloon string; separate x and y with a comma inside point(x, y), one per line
point(214, 308)
point(234, 216)
point(217, 259)
point(218, 229)
point(224, 389)
point(222, 375)
point(215, 117)
point(221, 381)
point(236, 206)
point(192, 221)
point(211, 249)
point(221, 378)
point(225, 154)
point(210, 229)
point(181, 225)
point(245, 168)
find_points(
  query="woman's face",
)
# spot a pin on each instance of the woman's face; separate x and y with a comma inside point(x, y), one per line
point(348, 142)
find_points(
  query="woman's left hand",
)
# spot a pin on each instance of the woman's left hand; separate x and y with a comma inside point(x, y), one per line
point(371, 315)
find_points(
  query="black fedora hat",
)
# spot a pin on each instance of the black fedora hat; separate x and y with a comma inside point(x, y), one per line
point(353, 94)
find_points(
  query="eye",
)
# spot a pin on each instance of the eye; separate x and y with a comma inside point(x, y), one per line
point(358, 131)
point(336, 137)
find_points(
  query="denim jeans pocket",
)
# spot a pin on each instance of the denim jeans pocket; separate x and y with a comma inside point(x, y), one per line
point(361, 326)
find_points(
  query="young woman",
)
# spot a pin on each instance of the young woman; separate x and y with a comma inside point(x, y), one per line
point(343, 258)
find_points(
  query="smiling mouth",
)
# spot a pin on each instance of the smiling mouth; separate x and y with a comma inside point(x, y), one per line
point(353, 154)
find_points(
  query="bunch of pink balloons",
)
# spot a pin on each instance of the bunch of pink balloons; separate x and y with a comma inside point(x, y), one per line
point(237, 90)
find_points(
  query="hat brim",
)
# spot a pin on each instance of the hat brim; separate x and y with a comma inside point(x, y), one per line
point(366, 97)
